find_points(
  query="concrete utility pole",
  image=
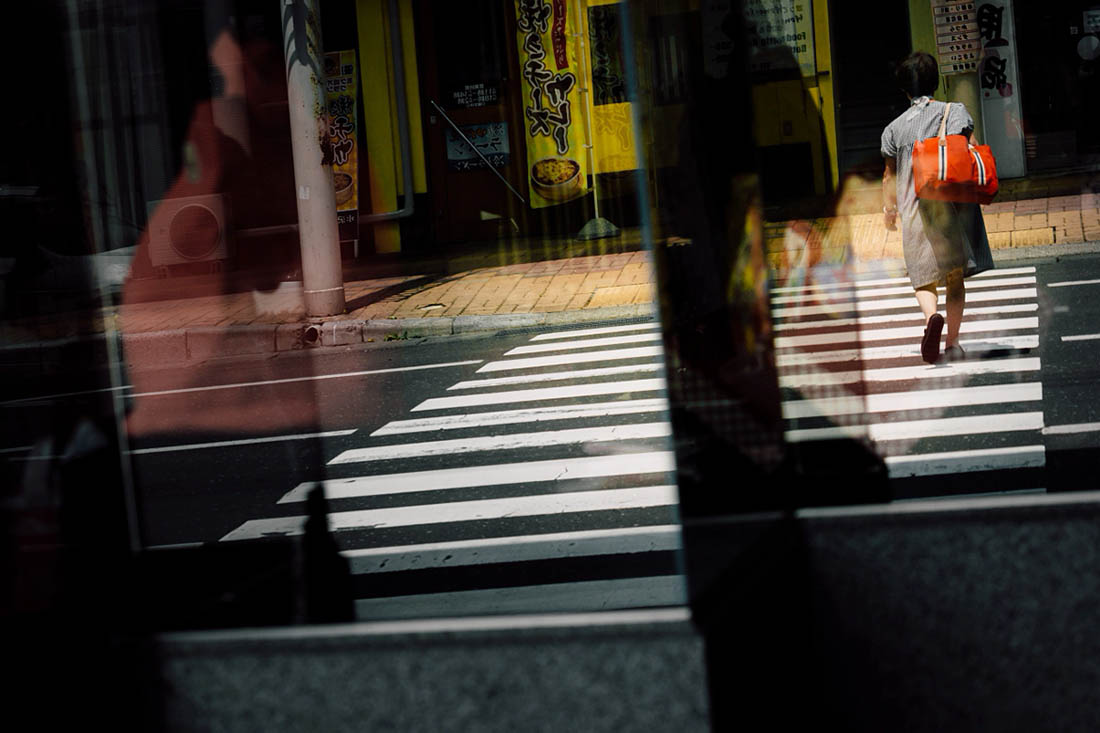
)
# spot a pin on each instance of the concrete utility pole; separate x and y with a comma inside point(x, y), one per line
point(318, 232)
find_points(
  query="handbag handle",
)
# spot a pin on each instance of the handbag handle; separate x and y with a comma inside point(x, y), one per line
point(943, 127)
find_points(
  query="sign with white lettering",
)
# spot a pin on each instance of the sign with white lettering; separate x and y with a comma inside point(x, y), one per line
point(958, 36)
point(490, 139)
point(781, 35)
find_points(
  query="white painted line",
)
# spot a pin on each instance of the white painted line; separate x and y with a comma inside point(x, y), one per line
point(988, 274)
point(974, 349)
point(955, 369)
point(914, 316)
point(558, 376)
point(1083, 427)
point(603, 595)
point(563, 359)
point(917, 429)
point(643, 497)
point(1033, 498)
point(910, 303)
point(62, 395)
point(441, 624)
point(500, 474)
point(904, 290)
point(586, 344)
point(245, 441)
point(532, 414)
point(495, 474)
point(16, 449)
point(942, 497)
point(524, 548)
point(1082, 337)
point(988, 459)
point(514, 441)
point(913, 400)
point(1068, 283)
point(314, 378)
point(996, 325)
point(546, 393)
point(596, 331)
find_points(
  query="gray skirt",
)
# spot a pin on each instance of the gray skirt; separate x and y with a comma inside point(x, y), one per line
point(953, 237)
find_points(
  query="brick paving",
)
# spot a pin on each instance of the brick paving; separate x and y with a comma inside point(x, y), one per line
point(1042, 214)
point(1036, 213)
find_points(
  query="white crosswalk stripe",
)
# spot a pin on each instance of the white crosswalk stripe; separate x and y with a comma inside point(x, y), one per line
point(557, 452)
point(582, 358)
point(560, 450)
point(887, 304)
point(839, 383)
point(513, 441)
point(531, 414)
point(519, 506)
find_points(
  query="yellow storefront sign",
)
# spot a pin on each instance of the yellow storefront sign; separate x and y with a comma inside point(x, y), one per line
point(557, 160)
point(340, 94)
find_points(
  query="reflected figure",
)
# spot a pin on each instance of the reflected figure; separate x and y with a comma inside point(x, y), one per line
point(236, 159)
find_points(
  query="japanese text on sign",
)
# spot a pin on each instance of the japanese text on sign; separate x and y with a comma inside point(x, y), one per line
point(490, 139)
point(340, 96)
point(994, 75)
point(781, 35)
point(958, 47)
point(476, 95)
point(547, 38)
point(548, 108)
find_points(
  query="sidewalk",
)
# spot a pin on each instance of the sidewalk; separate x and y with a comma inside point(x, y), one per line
point(478, 295)
point(1027, 212)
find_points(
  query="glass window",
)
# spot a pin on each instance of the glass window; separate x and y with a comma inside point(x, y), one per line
point(367, 310)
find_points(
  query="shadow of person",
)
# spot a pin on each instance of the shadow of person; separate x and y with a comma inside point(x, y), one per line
point(716, 306)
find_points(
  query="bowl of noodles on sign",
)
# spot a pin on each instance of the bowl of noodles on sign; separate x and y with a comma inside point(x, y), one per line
point(556, 179)
point(342, 182)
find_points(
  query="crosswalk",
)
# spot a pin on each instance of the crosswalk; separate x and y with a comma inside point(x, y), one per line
point(849, 368)
point(544, 481)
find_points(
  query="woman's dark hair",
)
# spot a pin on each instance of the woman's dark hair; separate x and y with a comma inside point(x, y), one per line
point(918, 75)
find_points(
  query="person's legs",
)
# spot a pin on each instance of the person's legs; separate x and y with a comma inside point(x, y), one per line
point(928, 299)
point(930, 343)
point(956, 302)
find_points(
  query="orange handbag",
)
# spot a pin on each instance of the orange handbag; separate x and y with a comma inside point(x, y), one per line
point(949, 168)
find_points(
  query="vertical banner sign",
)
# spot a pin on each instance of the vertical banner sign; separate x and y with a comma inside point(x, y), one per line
point(613, 146)
point(340, 96)
point(1001, 117)
point(958, 45)
point(556, 157)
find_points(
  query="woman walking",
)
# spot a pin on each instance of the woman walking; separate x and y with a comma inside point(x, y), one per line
point(943, 242)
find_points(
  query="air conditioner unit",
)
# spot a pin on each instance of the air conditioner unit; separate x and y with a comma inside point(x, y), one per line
point(188, 229)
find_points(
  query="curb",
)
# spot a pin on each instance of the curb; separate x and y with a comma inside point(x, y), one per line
point(182, 346)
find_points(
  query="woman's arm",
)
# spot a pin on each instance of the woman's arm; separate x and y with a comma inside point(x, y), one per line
point(890, 194)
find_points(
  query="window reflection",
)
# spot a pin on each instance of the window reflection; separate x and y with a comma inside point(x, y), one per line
point(607, 269)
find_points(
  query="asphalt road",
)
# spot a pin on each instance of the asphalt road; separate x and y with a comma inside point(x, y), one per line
point(531, 469)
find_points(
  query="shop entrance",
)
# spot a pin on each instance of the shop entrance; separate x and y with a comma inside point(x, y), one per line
point(1058, 47)
point(867, 99)
point(470, 95)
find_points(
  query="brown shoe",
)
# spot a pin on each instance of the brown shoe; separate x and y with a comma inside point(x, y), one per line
point(930, 344)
